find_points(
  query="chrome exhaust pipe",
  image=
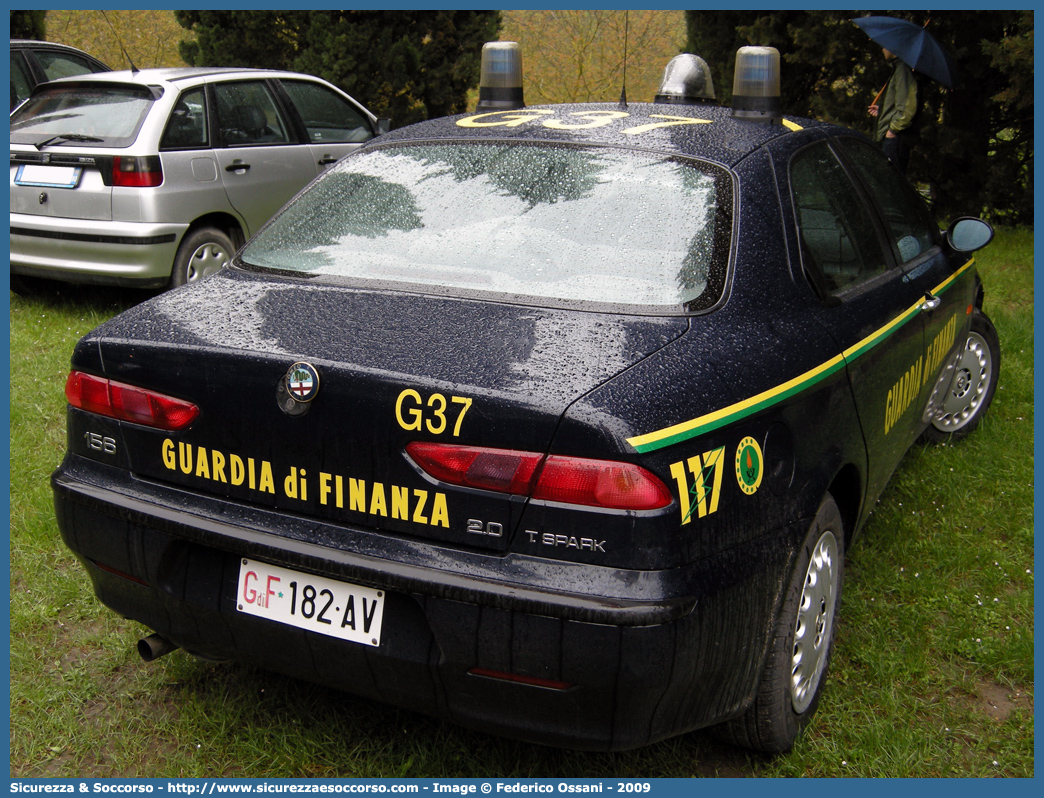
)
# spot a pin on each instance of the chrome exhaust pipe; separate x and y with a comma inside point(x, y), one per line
point(154, 646)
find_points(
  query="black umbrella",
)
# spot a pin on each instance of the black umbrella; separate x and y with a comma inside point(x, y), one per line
point(913, 45)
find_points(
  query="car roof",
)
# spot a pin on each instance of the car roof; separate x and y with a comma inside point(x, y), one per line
point(35, 44)
point(147, 77)
point(718, 137)
point(178, 78)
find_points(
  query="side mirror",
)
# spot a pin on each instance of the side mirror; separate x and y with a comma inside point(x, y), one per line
point(383, 126)
point(969, 234)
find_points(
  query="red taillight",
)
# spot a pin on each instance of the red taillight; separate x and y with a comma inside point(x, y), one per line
point(570, 480)
point(137, 171)
point(128, 403)
point(501, 470)
point(618, 486)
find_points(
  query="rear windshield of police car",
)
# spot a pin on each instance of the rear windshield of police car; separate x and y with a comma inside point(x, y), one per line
point(82, 116)
point(519, 222)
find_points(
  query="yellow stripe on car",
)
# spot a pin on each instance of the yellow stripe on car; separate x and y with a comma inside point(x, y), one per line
point(668, 436)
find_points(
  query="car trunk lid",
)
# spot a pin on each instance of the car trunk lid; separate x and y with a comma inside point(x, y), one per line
point(64, 141)
point(64, 185)
point(390, 368)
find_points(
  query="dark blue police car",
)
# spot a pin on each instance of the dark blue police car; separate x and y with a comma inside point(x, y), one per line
point(553, 421)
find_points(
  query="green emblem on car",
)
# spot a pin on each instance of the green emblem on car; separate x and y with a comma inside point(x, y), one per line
point(749, 465)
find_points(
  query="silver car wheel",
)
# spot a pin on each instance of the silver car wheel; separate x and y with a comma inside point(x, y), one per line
point(207, 259)
point(815, 621)
point(203, 252)
point(971, 385)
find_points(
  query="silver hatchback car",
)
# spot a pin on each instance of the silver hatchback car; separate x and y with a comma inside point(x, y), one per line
point(156, 177)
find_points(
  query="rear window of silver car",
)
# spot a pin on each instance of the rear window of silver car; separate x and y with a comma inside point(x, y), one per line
point(528, 222)
point(99, 116)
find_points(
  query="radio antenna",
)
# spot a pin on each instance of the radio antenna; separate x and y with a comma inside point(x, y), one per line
point(119, 41)
point(623, 87)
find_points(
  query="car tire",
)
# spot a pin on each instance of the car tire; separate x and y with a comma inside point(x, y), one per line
point(799, 653)
point(202, 253)
point(974, 384)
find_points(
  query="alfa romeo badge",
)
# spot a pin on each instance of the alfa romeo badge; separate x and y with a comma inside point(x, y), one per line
point(302, 382)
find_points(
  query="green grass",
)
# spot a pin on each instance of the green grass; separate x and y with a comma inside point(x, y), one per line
point(932, 676)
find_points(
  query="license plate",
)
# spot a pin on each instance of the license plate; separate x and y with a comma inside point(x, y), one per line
point(338, 609)
point(31, 174)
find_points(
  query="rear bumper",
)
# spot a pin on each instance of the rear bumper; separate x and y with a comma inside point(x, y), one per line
point(90, 251)
point(640, 655)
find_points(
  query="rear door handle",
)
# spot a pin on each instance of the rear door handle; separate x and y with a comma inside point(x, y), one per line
point(326, 160)
point(236, 165)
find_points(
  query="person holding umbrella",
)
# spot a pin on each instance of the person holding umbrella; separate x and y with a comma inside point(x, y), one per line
point(908, 47)
point(897, 113)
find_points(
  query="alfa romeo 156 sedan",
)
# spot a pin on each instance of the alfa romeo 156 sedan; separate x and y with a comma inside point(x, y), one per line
point(554, 421)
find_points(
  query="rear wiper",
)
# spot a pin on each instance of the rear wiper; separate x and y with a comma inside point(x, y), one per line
point(66, 137)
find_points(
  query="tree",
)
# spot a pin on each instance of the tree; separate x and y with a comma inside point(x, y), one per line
point(578, 55)
point(28, 25)
point(976, 150)
point(148, 37)
point(410, 65)
point(265, 39)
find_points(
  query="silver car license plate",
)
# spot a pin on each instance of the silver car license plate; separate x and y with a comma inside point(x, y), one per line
point(338, 609)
